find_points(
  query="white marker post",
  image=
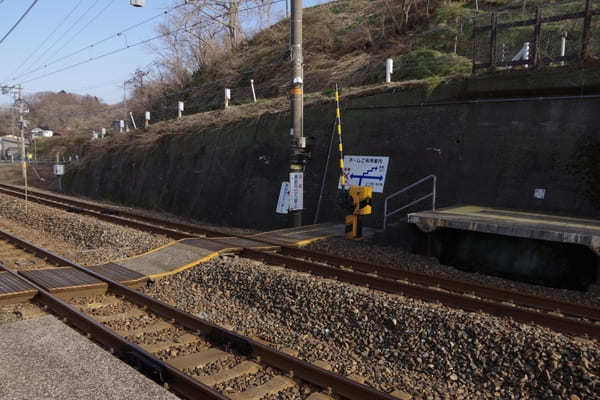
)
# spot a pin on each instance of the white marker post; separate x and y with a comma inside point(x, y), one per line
point(389, 70)
point(122, 126)
point(102, 133)
point(227, 97)
point(179, 109)
point(563, 46)
point(132, 120)
point(526, 53)
point(146, 120)
point(253, 92)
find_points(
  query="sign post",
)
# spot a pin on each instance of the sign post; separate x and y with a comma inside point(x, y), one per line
point(59, 171)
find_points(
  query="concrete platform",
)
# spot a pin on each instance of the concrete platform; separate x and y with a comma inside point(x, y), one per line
point(302, 235)
point(42, 358)
point(512, 223)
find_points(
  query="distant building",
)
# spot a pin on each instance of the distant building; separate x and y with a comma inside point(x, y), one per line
point(63, 132)
point(39, 132)
point(10, 147)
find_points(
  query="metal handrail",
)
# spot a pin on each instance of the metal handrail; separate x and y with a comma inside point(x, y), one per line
point(432, 194)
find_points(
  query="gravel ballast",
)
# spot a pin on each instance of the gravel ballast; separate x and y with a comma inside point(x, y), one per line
point(79, 238)
point(393, 342)
point(395, 257)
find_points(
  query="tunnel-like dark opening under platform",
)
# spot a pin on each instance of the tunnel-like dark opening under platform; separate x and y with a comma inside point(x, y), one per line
point(547, 249)
point(513, 223)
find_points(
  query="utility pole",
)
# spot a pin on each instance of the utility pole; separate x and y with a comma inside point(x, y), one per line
point(298, 155)
point(22, 126)
point(124, 106)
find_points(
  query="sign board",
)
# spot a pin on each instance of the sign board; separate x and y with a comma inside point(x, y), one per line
point(365, 171)
point(58, 169)
point(296, 191)
point(539, 194)
point(283, 204)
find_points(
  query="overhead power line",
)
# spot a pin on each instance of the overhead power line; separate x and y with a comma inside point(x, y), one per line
point(19, 21)
point(94, 18)
point(129, 46)
point(64, 34)
point(64, 19)
point(91, 46)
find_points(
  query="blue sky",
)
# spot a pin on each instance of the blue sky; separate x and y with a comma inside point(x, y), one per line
point(33, 44)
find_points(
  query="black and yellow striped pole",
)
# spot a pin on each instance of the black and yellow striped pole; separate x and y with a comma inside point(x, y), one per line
point(338, 117)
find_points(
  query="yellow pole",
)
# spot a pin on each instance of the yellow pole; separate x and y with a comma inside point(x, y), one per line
point(339, 132)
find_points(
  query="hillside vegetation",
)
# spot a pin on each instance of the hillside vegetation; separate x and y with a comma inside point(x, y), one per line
point(347, 42)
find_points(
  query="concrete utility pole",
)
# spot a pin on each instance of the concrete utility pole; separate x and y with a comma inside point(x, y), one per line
point(124, 101)
point(298, 158)
point(22, 126)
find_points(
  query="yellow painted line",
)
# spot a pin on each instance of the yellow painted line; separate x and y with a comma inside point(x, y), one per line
point(522, 217)
point(164, 246)
point(292, 233)
point(282, 229)
point(184, 267)
point(309, 241)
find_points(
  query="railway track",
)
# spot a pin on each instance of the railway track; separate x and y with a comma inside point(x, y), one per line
point(193, 357)
point(568, 318)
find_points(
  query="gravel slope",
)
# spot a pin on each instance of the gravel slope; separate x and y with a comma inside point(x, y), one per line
point(429, 351)
point(77, 237)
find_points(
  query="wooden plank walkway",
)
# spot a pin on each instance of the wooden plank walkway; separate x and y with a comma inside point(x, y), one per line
point(66, 282)
point(14, 290)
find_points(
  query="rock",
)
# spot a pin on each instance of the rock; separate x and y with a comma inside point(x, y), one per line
point(402, 395)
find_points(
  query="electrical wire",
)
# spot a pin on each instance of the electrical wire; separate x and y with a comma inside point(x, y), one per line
point(129, 46)
point(90, 46)
point(19, 21)
point(64, 34)
point(95, 17)
point(47, 37)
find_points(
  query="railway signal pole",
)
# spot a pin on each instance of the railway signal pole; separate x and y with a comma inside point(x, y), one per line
point(298, 157)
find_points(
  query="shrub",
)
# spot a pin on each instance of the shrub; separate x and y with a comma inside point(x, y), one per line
point(421, 64)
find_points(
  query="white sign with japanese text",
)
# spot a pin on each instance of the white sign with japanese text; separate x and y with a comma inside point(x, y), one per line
point(365, 171)
point(283, 204)
point(296, 191)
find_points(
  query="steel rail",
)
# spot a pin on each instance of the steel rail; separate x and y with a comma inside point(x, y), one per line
point(482, 291)
point(569, 326)
point(148, 364)
point(295, 367)
point(174, 227)
point(105, 216)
